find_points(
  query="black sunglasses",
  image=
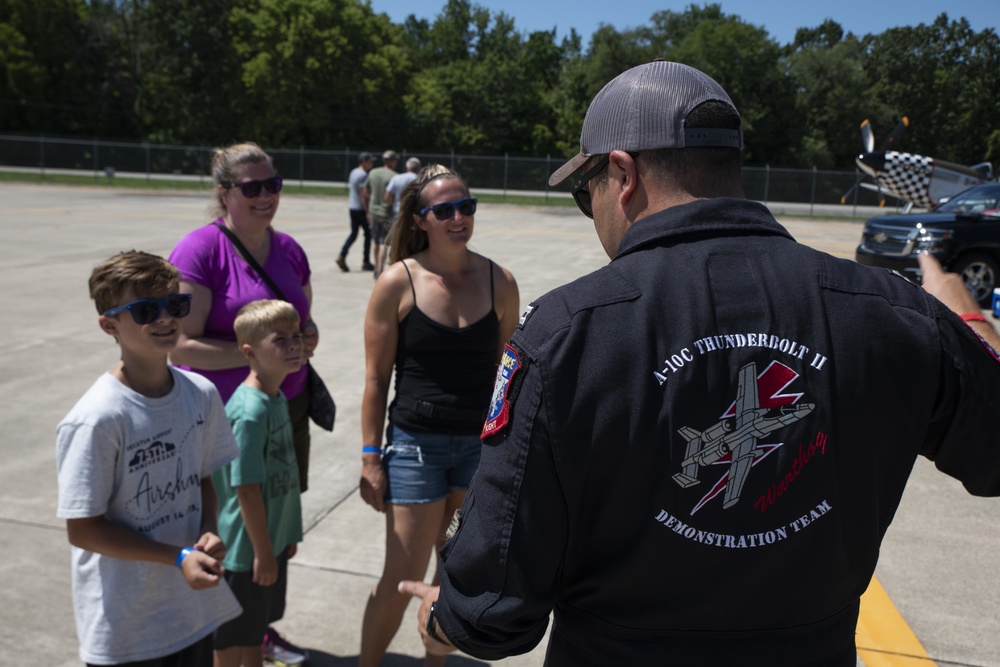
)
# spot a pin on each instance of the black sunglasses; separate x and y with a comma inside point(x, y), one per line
point(446, 209)
point(582, 196)
point(145, 311)
point(251, 189)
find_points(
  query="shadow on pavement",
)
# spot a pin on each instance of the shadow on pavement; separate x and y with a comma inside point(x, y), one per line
point(322, 659)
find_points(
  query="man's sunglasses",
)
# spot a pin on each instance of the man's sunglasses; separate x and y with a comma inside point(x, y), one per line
point(145, 311)
point(446, 209)
point(582, 196)
point(251, 189)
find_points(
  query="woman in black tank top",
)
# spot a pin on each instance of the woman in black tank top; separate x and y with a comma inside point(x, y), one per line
point(439, 316)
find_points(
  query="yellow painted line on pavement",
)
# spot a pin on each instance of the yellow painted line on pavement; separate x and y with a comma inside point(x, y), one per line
point(884, 639)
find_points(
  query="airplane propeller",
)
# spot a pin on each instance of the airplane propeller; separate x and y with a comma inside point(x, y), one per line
point(891, 138)
point(867, 136)
point(868, 141)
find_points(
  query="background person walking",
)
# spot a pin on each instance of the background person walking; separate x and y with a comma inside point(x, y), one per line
point(357, 207)
point(378, 208)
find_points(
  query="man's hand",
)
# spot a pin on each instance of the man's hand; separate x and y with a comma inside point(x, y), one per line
point(427, 594)
point(948, 288)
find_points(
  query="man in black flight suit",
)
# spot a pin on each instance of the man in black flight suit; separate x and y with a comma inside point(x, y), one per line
point(693, 453)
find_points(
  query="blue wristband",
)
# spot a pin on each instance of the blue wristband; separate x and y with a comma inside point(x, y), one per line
point(181, 555)
point(370, 449)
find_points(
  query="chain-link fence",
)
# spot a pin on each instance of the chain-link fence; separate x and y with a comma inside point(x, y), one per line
point(505, 173)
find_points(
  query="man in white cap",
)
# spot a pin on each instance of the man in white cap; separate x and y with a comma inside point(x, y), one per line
point(692, 454)
point(398, 184)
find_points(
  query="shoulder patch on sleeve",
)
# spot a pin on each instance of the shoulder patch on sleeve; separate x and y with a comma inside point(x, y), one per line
point(525, 315)
point(498, 415)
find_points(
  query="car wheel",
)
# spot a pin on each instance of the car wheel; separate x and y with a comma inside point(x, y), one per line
point(980, 274)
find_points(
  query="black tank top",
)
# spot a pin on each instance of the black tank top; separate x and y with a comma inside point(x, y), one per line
point(444, 375)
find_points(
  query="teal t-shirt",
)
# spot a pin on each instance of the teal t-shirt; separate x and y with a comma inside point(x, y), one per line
point(263, 432)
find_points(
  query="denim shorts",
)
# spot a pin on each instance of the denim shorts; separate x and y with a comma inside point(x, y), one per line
point(425, 467)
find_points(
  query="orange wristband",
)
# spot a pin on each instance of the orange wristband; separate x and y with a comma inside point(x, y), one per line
point(973, 317)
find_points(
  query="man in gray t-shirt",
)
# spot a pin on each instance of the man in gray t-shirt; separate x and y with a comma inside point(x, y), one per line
point(357, 203)
point(399, 182)
point(378, 209)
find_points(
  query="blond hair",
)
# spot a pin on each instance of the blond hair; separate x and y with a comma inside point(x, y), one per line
point(224, 164)
point(406, 239)
point(147, 274)
point(259, 318)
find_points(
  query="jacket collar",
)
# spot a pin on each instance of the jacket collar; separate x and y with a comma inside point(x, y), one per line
point(723, 216)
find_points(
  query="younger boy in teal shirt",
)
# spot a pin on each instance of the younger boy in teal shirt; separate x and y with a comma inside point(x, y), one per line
point(260, 515)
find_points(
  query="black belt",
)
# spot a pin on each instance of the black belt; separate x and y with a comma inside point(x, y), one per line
point(438, 412)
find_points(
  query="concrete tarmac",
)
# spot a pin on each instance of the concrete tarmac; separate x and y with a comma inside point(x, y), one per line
point(938, 561)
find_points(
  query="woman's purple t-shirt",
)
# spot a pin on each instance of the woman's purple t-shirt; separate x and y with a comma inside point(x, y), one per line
point(208, 258)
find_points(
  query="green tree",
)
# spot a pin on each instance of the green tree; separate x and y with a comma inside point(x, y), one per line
point(485, 86)
point(318, 72)
point(612, 52)
point(570, 96)
point(114, 60)
point(189, 90)
point(44, 83)
point(746, 63)
point(324, 73)
point(826, 68)
point(946, 78)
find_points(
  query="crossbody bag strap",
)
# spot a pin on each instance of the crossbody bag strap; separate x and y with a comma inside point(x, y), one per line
point(251, 260)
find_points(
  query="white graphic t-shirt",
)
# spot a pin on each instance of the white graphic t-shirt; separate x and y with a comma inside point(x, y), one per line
point(139, 462)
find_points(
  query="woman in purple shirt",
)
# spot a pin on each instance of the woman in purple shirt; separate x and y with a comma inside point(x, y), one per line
point(221, 281)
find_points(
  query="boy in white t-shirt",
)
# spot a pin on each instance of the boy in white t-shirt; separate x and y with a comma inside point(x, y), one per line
point(135, 458)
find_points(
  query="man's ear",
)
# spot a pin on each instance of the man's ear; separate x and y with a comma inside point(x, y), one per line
point(623, 168)
point(247, 350)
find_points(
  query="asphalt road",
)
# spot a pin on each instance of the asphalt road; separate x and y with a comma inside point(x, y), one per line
point(938, 564)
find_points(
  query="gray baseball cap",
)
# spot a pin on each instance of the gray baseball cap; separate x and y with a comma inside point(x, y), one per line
point(644, 109)
point(365, 156)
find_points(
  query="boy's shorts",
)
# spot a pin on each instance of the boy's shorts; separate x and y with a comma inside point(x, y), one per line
point(198, 654)
point(262, 606)
point(426, 467)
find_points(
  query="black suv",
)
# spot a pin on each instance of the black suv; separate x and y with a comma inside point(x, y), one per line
point(963, 233)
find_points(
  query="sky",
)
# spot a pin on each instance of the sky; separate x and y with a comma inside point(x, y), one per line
point(780, 18)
